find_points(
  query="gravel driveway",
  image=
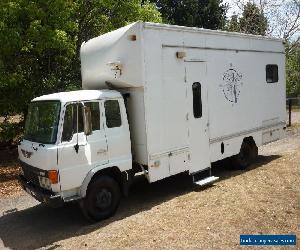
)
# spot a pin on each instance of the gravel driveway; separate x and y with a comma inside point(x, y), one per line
point(295, 117)
point(172, 213)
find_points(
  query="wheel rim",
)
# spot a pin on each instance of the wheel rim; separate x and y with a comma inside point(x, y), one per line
point(103, 199)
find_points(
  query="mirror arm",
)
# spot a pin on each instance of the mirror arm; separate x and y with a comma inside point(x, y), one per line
point(76, 147)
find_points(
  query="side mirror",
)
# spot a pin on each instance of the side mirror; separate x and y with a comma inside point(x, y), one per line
point(87, 120)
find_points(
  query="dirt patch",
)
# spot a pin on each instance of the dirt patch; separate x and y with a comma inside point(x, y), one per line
point(9, 185)
point(173, 213)
point(9, 172)
point(295, 118)
point(262, 200)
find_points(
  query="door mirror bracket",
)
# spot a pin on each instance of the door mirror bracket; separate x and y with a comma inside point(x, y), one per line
point(76, 147)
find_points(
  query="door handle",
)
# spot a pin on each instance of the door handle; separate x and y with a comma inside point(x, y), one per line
point(101, 151)
point(76, 147)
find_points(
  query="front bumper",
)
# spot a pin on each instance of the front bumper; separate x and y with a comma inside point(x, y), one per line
point(41, 194)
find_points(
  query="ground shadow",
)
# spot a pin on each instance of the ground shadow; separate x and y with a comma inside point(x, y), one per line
point(224, 168)
point(8, 155)
point(42, 226)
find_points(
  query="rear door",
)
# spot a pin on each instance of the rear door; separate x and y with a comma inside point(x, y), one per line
point(197, 96)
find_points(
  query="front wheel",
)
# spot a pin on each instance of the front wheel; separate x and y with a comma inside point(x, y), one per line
point(102, 199)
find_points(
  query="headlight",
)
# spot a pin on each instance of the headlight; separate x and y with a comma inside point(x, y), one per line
point(44, 182)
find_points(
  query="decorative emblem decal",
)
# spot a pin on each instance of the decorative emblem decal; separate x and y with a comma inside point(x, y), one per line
point(232, 82)
point(26, 154)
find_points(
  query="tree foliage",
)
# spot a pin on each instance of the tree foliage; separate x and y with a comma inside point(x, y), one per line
point(37, 44)
point(293, 71)
point(209, 14)
point(252, 21)
point(40, 42)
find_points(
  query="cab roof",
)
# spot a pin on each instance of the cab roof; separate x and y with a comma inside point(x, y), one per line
point(79, 95)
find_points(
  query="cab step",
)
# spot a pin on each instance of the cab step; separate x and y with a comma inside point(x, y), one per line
point(206, 181)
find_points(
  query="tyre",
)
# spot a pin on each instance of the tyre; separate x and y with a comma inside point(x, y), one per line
point(102, 199)
point(254, 152)
point(246, 156)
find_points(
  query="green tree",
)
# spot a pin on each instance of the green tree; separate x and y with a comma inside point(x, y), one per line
point(293, 71)
point(35, 54)
point(233, 24)
point(37, 45)
point(252, 21)
point(40, 42)
point(194, 13)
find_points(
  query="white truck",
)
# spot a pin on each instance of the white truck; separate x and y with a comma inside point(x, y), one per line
point(158, 100)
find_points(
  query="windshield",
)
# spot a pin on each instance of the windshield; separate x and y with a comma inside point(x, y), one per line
point(42, 122)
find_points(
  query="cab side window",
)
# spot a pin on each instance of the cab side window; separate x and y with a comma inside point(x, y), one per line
point(112, 113)
point(95, 114)
point(70, 121)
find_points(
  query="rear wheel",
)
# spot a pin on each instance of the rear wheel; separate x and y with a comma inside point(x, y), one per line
point(102, 199)
point(246, 156)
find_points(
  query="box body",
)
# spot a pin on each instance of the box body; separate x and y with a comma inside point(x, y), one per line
point(164, 68)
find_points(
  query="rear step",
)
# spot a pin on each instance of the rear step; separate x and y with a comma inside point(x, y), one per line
point(206, 181)
point(204, 177)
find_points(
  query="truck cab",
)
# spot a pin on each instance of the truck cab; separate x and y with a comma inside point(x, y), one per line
point(71, 140)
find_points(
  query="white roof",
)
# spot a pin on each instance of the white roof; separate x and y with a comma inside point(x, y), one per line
point(79, 95)
point(150, 25)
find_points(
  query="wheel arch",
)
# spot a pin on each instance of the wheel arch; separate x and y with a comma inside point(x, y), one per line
point(114, 172)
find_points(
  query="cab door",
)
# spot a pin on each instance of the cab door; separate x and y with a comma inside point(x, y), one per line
point(197, 96)
point(74, 164)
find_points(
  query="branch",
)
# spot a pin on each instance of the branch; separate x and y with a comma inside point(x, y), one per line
point(295, 25)
point(292, 46)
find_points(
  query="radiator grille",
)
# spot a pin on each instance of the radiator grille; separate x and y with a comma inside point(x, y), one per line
point(31, 173)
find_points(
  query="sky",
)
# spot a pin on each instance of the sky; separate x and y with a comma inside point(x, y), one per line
point(233, 9)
